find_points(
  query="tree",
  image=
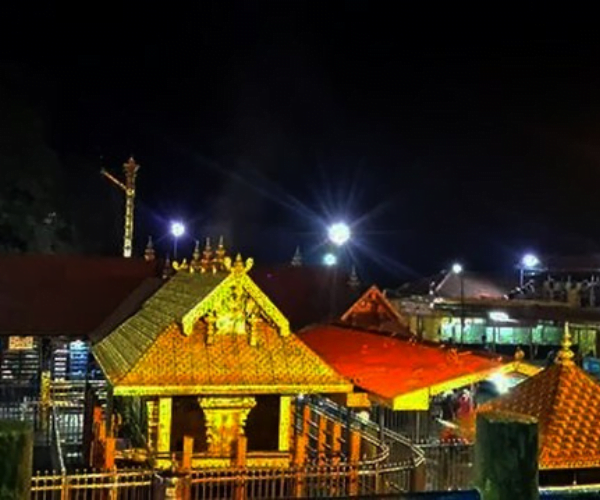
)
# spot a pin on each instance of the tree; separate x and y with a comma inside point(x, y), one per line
point(33, 206)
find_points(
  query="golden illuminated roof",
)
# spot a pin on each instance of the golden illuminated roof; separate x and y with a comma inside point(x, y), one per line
point(566, 403)
point(211, 333)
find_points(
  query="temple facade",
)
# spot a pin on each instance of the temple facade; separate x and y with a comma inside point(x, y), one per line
point(209, 364)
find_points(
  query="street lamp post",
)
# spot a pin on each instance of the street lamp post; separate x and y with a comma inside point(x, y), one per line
point(177, 231)
point(528, 262)
point(458, 270)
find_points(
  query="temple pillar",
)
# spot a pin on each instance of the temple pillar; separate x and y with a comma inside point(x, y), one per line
point(225, 421)
point(165, 413)
point(152, 423)
point(285, 414)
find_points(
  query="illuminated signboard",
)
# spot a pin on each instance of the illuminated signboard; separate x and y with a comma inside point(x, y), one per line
point(20, 343)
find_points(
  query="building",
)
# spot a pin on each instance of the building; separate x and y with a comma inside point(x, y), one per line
point(470, 309)
point(49, 306)
point(566, 403)
point(401, 376)
point(209, 357)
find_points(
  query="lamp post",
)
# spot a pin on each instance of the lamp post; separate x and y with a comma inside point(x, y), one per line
point(528, 262)
point(458, 270)
point(177, 231)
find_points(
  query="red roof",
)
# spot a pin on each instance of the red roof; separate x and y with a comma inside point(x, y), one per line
point(64, 295)
point(306, 294)
point(390, 367)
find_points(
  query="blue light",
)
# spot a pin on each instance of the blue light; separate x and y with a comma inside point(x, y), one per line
point(329, 259)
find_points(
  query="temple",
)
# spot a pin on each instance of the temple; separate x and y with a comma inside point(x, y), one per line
point(566, 403)
point(210, 358)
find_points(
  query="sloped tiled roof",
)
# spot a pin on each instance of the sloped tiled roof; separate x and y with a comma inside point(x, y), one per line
point(566, 403)
point(151, 354)
point(120, 351)
point(65, 295)
point(448, 286)
point(177, 364)
point(392, 367)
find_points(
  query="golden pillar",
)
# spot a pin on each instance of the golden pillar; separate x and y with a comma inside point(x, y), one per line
point(152, 423)
point(165, 412)
point(225, 421)
point(285, 422)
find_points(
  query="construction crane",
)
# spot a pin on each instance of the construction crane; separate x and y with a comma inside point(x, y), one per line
point(130, 168)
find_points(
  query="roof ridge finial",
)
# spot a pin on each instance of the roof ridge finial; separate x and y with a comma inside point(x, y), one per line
point(220, 254)
point(196, 262)
point(149, 253)
point(297, 258)
point(565, 354)
point(206, 261)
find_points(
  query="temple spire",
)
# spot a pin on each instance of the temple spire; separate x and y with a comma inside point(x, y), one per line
point(353, 281)
point(297, 258)
point(220, 255)
point(196, 262)
point(206, 256)
point(167, 270)
point(149, 253)
point(565, 355)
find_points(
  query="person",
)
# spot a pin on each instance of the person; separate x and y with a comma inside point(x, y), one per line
point(550, 358)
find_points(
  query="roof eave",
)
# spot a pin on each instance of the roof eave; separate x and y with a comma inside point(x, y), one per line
point(229, 390)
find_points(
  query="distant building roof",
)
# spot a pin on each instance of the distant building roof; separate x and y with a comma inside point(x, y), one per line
point(373, 310)
point(306, 294)
point(65, 295)
point(402, 373)
point(572, 263)
point(448, 285)
point(566, 402)
point(211, 334)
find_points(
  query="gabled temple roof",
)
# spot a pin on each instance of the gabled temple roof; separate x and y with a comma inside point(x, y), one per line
point(566, 402)
point(177, 344)
point(402, 373)
point(374, 310)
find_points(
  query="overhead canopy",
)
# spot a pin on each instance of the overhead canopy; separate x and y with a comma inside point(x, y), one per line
point(401, 373)
point(205, 333)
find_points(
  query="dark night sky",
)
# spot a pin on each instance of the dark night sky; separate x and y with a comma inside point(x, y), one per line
point(248, 117)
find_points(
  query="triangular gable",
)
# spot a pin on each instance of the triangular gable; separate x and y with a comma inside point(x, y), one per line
point(373, 301)
point(221, 295)
point(210, 333)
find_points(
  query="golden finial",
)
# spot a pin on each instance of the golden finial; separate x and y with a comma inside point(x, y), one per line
point(565, 355)
point(206, 256)
point(149, 253)
point(183, 266)
point(238, 266)
point(220, 254)
point(196, 263)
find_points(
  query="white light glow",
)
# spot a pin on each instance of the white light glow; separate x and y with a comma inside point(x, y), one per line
point(500, 382)
point(457, 268)
point(499, 316)
point(177, 229)
point(339, 233)
point(329, 259)
point(529, 261)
